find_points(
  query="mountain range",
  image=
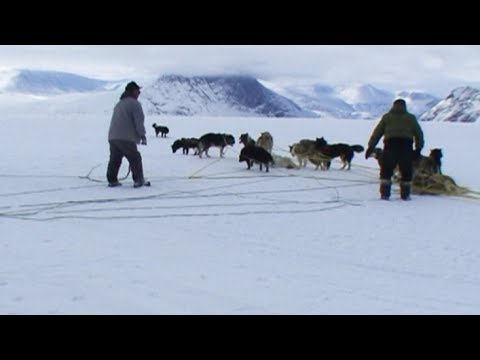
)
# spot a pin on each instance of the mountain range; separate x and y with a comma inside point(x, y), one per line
point(51, 82)
point(218, 95)
point(462, 105)
point(244, 95)
point(358, 101)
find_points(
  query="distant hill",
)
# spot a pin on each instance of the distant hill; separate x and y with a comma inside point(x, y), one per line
point(418, 102)
point(51, 83)
point(368, 101)
point(217, 95)
point(462, 105)
point(236, 95)
point(359, 101)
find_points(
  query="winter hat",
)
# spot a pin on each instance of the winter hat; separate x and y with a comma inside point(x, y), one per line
point(132, 86)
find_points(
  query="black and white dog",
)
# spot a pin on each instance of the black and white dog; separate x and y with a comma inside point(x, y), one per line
point(215, 140)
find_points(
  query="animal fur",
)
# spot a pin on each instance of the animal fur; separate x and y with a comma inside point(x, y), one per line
point(160, 129)
point(424, 183)
point(186, 144)
point(245, 139)
point(436, 155)
point(430, 164)
point(344, 151)
point(265, 141)
point(283, 162)
point(215, 140)
point(255, 154)
point(302, 150)
point(319, 159)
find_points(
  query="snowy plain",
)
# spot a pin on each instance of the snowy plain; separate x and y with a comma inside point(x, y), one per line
point(211, 237)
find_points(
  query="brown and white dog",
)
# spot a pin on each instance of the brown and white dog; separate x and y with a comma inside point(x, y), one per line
point(309, 150)
point(265, 141)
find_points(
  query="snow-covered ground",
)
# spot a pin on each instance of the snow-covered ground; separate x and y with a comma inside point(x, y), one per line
point(210, 237)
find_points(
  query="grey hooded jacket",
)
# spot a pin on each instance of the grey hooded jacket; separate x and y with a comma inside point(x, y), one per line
point(127, 120)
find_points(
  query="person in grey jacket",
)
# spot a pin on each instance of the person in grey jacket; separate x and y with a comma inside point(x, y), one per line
point(127, 129)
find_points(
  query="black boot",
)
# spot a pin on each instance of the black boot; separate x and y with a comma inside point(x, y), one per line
point(405, 188)
point(385, 189)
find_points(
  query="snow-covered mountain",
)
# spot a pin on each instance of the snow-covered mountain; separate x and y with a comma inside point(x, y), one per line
point(321, 99)
point(360, 101)
point(51, 82)
point(462, 105)
point(368, 101)
point(418, 102)
point(226, 95)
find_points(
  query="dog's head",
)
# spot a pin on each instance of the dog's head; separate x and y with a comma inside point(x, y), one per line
point(291, 149)
point(245, 139)
point(154, 125)
point(176, 145)
point(436, 153)
point(376, 153)
point(266, 135)
point(229, 139)
point(319, 142)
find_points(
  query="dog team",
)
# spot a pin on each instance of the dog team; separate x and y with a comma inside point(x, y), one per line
point(317, 151)
point(426, 169)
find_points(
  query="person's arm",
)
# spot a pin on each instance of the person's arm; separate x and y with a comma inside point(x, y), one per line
point(378, 132)
point(376, 135)
point(419, 140)
point(139, 120)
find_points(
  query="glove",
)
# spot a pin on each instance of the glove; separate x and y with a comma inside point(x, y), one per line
point(143, 141)
point(368, 152)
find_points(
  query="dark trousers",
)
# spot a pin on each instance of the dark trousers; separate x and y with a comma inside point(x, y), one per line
point(397, 152)
point(119, 149)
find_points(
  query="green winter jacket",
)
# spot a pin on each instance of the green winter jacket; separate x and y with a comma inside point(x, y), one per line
point(398, 123)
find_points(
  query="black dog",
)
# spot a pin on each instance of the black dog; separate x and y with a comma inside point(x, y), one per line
point(255, 154)
point(245, 139)
point(436, 155)
point(216, 140)
point(160, 129)
point(185, 144)
point(344, 151)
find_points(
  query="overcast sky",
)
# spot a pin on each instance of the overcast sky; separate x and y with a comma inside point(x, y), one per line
point(433, 68)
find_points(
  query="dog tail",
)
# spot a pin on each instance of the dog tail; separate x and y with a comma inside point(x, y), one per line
point(357, 148)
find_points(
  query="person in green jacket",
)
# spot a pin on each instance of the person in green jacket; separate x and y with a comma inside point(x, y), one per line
point(400, 130)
